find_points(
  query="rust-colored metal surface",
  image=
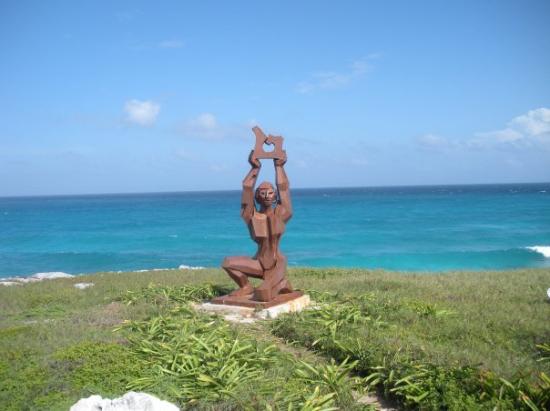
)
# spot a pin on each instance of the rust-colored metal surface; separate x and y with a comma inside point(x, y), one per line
point(261, 139)
point(265, 211)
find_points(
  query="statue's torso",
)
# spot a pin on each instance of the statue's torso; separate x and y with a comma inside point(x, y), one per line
point(265, 226)
point(266, 231)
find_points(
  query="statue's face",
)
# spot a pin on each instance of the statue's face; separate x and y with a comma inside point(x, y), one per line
point(266, 196)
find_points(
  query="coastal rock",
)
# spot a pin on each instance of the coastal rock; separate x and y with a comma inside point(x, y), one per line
point(8, 283)
point(131, 401)
point(83, 286)
point(17, 280)
point(51, 276)
point(34, 278)
point(26, 280)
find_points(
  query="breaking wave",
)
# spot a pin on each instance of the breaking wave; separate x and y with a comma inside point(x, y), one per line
point(541, 249)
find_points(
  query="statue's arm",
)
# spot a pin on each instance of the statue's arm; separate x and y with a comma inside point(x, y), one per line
point(247, 199)
point(283, 189)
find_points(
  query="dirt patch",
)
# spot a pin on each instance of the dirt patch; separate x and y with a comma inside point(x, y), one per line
point(105, 316)
point(113, 313)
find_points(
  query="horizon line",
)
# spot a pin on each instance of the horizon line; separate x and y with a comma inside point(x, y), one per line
point(294, 188)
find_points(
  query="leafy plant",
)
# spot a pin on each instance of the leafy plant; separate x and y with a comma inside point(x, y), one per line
point(199, 358)
point(337, 329)
point(167, 294)
point(428, 310)
point(544, 350)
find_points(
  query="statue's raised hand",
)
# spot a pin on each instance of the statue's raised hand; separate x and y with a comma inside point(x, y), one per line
point(254, 162)
point(280, 161)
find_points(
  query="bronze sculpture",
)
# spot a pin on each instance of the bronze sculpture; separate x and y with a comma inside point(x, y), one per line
point(266, 225)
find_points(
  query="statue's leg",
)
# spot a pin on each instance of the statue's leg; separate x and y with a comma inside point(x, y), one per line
point(239, 269)
point(275, 282)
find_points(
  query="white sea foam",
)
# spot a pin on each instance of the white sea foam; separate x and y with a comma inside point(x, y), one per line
point(190, 267)
point(7, 281)
point(51, 275)
point(181, 267)
point(541, 249)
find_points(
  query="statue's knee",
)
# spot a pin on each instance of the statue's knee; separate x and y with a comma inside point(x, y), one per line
point(226, 263)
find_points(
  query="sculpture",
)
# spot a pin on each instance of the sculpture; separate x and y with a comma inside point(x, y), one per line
point(266, 225)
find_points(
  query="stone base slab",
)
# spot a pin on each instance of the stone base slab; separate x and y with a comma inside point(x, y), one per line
point(248, 300)
point(241, 314)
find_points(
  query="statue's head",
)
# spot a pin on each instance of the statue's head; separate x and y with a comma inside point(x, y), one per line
point(265, 194)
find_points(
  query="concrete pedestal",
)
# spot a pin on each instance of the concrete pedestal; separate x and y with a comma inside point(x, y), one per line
point(239, 314)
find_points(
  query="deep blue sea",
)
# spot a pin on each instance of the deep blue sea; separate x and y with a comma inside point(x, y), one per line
point(398, 228)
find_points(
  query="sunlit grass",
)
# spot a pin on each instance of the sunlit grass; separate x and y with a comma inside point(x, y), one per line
point(459, 339)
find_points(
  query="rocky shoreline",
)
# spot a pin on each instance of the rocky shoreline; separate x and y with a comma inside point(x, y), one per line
point(34, 278)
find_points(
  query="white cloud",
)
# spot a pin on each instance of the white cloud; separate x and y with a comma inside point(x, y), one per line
point(207, 127)
point(206, 122)
point(534, 123)
point(325, 80)
point(527, 130)
point(330, 80)
point(435, 142)
point(530, 130)
point(171, 44)
point(143, 113)
point(204, 126)
point(499, 136)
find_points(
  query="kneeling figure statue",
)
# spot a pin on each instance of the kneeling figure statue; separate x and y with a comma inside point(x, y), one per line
point(266, 224)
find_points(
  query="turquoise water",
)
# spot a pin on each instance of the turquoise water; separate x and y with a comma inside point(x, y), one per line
point(398, 228)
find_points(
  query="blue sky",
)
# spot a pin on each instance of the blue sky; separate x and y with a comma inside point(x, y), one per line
point(120, 96)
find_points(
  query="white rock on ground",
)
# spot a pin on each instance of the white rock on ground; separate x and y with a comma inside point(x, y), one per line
point(82, 286)
point(190, 267)
point(131, 401)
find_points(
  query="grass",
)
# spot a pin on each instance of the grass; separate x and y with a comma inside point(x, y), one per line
point(459, 340)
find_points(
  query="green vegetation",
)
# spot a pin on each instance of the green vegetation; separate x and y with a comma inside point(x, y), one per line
point(464, 340)
point(366, 328)
point(196, 358)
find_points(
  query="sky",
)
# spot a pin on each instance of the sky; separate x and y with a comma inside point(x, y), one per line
point(130, 96)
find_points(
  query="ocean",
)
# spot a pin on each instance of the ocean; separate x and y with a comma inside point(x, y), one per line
point(425, 228)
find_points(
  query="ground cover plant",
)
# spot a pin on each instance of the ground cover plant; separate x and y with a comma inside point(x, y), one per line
point(154, 341)
point(459, 340)
point(364, 328)
point(201, 360)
